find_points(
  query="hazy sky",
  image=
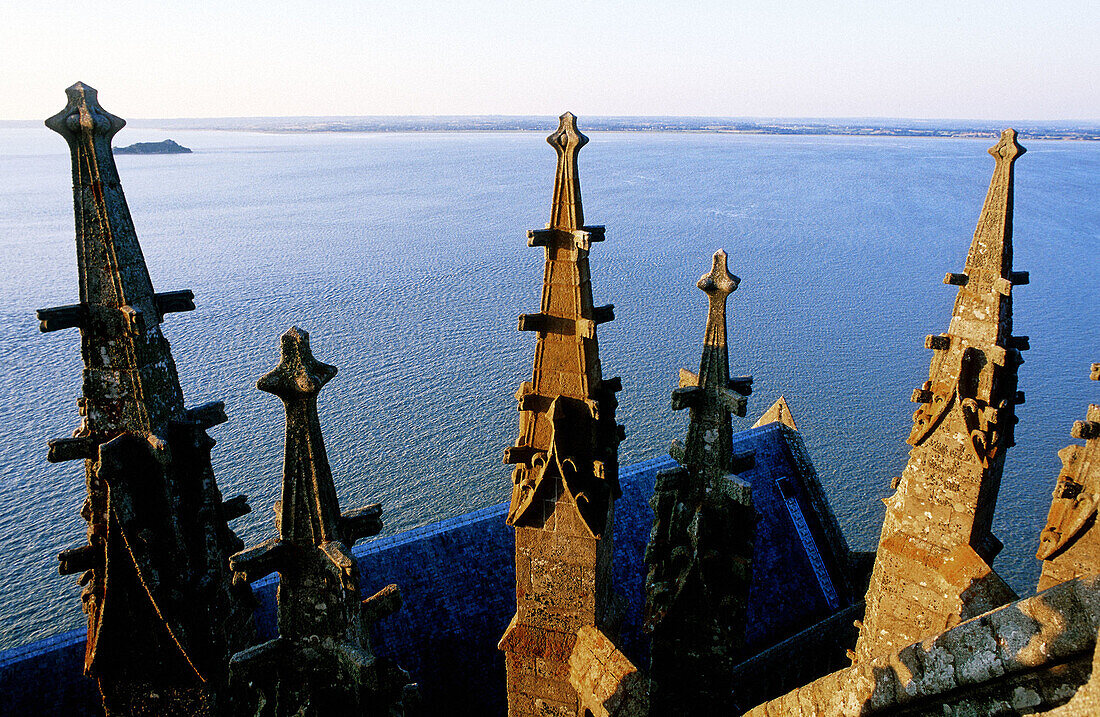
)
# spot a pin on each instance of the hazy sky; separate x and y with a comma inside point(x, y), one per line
point(915, 58)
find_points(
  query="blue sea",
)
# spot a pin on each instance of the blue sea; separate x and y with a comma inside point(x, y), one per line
point(404, 255)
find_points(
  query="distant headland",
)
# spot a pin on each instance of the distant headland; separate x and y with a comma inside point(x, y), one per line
point(166, 147)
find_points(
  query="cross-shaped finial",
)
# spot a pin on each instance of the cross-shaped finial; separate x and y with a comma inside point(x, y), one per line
point(1007, 148)
point(719, 282)
point(567, 139)
point(298, 374)
point(84, 116)
point(567, 142)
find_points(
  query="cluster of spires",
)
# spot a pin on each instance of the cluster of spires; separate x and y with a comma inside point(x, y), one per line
point(167, 583)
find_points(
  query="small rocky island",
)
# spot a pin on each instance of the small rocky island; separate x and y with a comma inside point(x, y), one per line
point(166, 147)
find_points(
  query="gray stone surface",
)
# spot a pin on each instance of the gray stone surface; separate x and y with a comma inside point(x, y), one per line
point(321, 663)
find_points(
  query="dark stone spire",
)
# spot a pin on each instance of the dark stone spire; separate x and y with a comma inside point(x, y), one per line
point(699, 556)
point(162, 615)
point(321, 663)
point(130, 378)
point(933, 566)
point(712, 397)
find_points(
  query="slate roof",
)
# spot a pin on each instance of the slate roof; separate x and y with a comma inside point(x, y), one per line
point(457, 578)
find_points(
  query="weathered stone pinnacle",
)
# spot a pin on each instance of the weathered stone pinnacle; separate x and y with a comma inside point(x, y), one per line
point(712, 397)
point(1069, 544)
point(933, 569)
point(163, 616)
point(699, 555)
point(565, 479)
point(567, 360)
point(321, 663)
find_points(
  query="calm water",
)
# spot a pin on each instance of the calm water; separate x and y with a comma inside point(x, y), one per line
point(404, 255)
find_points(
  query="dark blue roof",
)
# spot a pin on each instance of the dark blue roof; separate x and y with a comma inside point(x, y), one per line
point(457, 578)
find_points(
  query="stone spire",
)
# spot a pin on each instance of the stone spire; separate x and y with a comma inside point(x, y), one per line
point(699, 556)
point(162, 615)
point(321, 663)
point(566, 465)
point(933, 569)
point(1069, 545)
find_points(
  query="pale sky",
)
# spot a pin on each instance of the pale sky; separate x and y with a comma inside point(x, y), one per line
point(1005, 60)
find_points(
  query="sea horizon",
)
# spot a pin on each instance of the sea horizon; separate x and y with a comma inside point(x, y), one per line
point(1074, 129)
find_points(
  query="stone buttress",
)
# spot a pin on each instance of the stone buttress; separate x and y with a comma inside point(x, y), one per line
point(321, 662)
point(699, 556)
point(1069, 545)
point(932, 569)
point(565, 479)
point(163, 616)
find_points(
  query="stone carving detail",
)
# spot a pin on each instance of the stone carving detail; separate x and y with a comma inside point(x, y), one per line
point(163, 615)
point(1069, 545)
point(321, 663)
point(565, 479)
point(699, 556)
point(933, 564)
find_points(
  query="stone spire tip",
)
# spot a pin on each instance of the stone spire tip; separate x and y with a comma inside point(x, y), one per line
point(298, 374)
point(83, 115)
point(719, 280)
point(567, 138)
point(1007, 148)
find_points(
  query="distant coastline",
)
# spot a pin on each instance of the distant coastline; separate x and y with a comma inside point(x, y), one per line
point(852, 127)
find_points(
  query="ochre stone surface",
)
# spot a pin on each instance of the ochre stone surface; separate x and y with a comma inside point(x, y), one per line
point(321, 663)
point(566, 475)
point(1069, 545)
point(933, 564)
point(779, 412)
point(699, 556)
point(163, 615)
point(1022, 658)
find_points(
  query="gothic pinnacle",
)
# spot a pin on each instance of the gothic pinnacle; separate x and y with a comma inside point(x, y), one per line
point(566, 352)
point(321, 662)
point(130, 377)
point(156, 587)
point(936, 537)
point(711, 395)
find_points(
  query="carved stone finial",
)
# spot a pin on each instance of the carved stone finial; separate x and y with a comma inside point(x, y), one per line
point(719, 281)
point(299, 374)
point(84, 117)
point(567, 141)
point(710, 395)
point(1007, 148)
point(718, 285)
